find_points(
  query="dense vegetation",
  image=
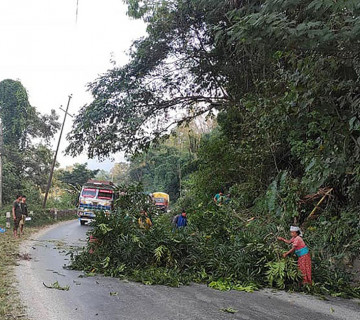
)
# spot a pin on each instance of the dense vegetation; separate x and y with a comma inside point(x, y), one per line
point(167, 166)
point(26, 165)
point(282, 79)
point(27, 154)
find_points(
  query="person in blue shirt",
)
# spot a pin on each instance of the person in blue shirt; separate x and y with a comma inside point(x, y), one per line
point(219, 198)
point(180, 220)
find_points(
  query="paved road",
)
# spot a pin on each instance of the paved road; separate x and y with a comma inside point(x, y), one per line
point(89, 298)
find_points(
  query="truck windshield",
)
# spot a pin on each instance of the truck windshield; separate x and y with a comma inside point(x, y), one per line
point(159, 200)
point(105, 194)
point(89, 193)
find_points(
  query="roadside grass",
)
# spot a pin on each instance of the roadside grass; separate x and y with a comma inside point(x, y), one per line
point(10, 305)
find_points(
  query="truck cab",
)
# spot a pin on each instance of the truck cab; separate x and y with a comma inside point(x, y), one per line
point(95, 196)
point(161, 200)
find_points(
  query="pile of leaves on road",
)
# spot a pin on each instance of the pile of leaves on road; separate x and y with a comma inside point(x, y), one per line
point(220, 246)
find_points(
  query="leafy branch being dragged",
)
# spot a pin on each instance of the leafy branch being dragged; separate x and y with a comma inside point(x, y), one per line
point(57, 286)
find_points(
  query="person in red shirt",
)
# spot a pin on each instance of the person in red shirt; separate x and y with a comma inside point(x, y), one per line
point(302, 251)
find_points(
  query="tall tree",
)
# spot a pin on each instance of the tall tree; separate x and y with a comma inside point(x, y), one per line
point(24, 161)
point(173, 71)
point(77, 175)
point(21, 121)
point(158, 170)
point(103, 175)
point(200, 55)
point(120, 172)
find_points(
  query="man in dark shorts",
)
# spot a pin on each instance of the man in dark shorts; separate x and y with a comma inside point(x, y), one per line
point(24, 214)
point(17, 213)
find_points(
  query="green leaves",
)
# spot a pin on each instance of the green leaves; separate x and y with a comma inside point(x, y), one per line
point(159, 252)
point(104, 229)
point(282, 272)
point(78, 175)
point(354, 124)
point(229, 310)
point(57, 286)
point(226, 285)
point(282, 197)
point(106, 262)
point(21, 121)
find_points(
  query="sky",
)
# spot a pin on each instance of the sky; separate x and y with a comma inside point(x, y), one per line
point(54, 53)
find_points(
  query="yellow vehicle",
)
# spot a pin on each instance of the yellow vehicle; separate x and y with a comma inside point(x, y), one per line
point(161, 200)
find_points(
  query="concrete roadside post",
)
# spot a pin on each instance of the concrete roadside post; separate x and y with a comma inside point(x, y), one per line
point(31, 213)
point(55, 214)
point(8, 220)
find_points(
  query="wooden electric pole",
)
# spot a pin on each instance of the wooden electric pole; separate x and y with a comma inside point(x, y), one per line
point(56, 152)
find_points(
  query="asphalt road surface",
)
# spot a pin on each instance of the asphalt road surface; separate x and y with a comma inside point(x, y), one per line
point(98, 297)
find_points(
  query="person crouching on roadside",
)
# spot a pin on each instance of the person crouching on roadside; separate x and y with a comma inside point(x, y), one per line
point(302, 251)
point(24, 214)
point(17, 214)
point(144, 220)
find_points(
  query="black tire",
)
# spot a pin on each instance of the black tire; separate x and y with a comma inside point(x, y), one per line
point(82, 222)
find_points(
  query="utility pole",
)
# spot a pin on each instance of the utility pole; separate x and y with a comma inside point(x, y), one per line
point(77, 10)
point(1, 155)
point(56, 152)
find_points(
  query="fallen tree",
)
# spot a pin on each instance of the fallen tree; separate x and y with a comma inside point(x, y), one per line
point(216, 248)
